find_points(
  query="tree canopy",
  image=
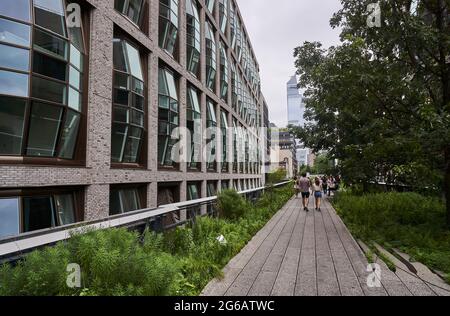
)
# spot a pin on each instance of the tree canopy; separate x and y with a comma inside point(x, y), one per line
point(380, 101)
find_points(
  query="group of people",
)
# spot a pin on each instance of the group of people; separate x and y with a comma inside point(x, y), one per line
point(317, 186)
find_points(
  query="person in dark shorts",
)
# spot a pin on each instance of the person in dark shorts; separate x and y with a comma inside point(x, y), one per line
point(304, 185)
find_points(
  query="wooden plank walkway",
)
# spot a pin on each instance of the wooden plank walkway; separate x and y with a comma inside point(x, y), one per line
point(309, 254)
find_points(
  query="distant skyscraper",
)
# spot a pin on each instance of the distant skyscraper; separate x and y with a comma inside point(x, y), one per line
point(296, 112)
point(296, 106)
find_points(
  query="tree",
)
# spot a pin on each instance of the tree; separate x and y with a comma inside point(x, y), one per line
point(380, 101)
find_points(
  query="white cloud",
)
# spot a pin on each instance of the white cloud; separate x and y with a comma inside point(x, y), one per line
point(275, 28)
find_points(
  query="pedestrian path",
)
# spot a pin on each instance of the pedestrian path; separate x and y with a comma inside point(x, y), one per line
point(309, 254)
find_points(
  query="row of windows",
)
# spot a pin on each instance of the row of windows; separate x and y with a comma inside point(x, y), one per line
point(168, 40)
point(35, 210)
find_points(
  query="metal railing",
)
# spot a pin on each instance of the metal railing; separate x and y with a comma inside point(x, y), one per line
point(12, 248)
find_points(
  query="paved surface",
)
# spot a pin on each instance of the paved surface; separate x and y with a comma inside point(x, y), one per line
point(310, 254)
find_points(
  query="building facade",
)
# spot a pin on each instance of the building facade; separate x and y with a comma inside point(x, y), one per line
point(94, 93)
point(283, 155)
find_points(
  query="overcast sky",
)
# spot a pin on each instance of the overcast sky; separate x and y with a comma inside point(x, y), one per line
point(275, 29)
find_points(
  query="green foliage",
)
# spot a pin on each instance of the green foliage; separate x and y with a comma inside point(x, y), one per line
point(231, 205)
point(277, 176)
point(379, 102)
point(408, 221)
point(117, 262)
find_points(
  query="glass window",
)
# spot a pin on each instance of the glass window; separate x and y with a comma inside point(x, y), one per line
point(223, 12)
point(193, 37)
point(50, 44)
point(18, 9)
point(44, 129)
point(76, 58)
point(65, 209)
point(69, 135)
point(74, 99)
point(133, 9)
point(14, 58)
point(38, 213)
point(210, 58)
point(75, 78)
point(49, 67)
point(119, 56)
point(135, 62)
point(48, 90)
point(12, 116)
point(210, 5)
point(223, 72)
point(119, 134)
point(9, 217)
point(50, 15)
point(168, 25)
point(12, 83)
point(167, 116)
point(124, 201)
point(14, 33)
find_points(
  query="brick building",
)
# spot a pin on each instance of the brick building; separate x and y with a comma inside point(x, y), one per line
point(91, 92)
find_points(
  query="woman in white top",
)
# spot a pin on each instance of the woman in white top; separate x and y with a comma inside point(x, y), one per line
point(317, 189)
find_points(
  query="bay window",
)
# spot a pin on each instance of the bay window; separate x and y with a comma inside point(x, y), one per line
point(124, 199)
point(223, 12)
point(223, 73)
point(211, 67)
point(129, 105)
point(211, 142)
point(133, 9)
point(224, 129)
point(168, 116)
point(194, 126)
point(41, 81)
point(36, 209)
point(168, 25)
point(193, 193)
point(210, 5)
point(193, 37)
point(211, 190)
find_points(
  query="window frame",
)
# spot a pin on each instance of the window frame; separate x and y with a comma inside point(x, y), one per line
point(80, 146)
point(142, 154)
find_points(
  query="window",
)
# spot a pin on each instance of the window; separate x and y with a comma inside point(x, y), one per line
point(211, 142)
point(34, 210)
point(42, 79)
point(128, 127)
point(223, 73)
point(223, 12)
point(232, 27)
point(193, 193)
point(211, 190)
point(234, 87)
point(193, 37)
point(168, 117)
point(168, 25)
point(210, 5)
point(133, 9)
point(17, 9)
point(224, 129)
point(210, 58)
point(194, 126)
point(225, 184)
point(125, 199)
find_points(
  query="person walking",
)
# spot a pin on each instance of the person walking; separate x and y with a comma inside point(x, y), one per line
point(317, 189)
point(304, 186)
point(330, 184)
point(296, 187)
point(325, 184)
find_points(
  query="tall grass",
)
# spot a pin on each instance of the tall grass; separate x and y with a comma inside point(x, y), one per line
point(118, 262)
point(408, 221)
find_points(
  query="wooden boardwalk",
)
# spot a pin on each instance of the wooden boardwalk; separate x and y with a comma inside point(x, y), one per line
point(310, 254)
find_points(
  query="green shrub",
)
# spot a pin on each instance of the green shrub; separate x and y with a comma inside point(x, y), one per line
point(231, 205)
point(408, 221)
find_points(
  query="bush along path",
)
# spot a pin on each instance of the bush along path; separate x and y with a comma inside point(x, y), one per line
point(116, 262)
point(409, 222)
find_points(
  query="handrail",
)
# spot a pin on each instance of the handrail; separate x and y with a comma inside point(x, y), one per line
point(23, 243)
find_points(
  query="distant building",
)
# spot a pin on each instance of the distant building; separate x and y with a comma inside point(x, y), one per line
point(296, 104)
point(283, 153)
